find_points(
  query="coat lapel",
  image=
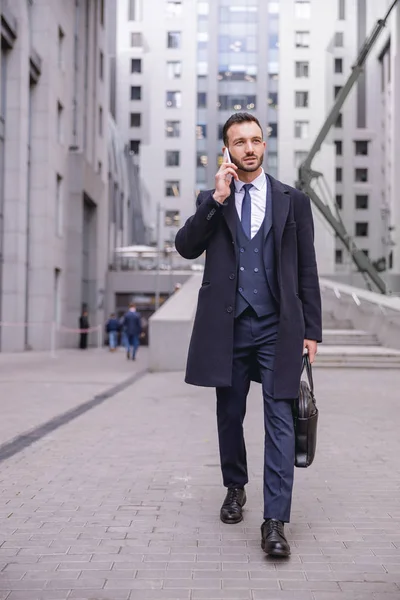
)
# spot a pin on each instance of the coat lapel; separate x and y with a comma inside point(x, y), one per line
point(230, 213)
point(280, 210)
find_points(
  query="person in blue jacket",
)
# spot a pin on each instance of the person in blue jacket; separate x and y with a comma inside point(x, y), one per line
point(112, 328)
point(132, 324)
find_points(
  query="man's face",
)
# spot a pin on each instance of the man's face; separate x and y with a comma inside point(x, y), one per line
point(246, 146)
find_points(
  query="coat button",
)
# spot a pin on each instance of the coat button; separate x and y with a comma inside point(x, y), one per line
point(229, 309)
point(242, 268)
point(256, 250)
point(256, 270)
point(242, 250)
point(232, 276)
point(240, 289)
point(256, 291)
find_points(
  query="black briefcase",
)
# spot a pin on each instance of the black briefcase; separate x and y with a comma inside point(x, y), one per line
point(305, 415)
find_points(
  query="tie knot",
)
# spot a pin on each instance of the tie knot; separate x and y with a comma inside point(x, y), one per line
point(247, 187)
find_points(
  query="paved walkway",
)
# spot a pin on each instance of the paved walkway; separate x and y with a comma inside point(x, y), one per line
point(121, 501)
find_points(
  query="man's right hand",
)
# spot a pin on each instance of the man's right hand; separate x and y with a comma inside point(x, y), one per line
point(223, 181)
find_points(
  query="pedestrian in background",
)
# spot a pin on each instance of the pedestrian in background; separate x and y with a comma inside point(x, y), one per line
point(83, 326)
point(112, 329)
point(133, 328)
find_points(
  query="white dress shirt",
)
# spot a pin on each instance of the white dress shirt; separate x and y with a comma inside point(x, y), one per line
point(258, 195)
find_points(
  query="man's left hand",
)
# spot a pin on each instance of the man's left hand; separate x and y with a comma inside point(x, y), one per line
point(311, 346)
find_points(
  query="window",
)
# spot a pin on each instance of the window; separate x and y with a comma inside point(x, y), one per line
point(173, 129)
point(136, 119)
point(339, 257)
point(202, 99)
point(302, 69)
point(203, 8)
point(272, 130)
point(337, 91)
point(272, 160)
point(301, 129)
point(201, 131)
point(100, 120)
point(101, 65)
point(174, 69)
point(361, 175)
point(172, 188)
point(174, 99)
point(339, 174)
point(60, 123)
point(61, 38)
point(134, 10)
point(134, 146)
point(361, 202)
point(361, 229)
point(172, 218)
point(59, 206)
point(299, 157)
point(136, 65)
point(341, 10)
point(174, 8)
point(361, 148)
point(302, 39)
point(174, 39)
point(339, 148)
point(301, 99)
point(136, 92)
point(136, 39)
point(339, 201)
point(302, 9)
point(339, 41)
point(338, 65)
point(236, 102)
point(202, 159)
point(339, 121)
point(172, 158)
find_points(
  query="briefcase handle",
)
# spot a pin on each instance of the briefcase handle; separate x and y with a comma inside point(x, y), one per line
point(308, 368)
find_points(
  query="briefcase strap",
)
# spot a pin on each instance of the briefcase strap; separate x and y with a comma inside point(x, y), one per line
point(308, 368)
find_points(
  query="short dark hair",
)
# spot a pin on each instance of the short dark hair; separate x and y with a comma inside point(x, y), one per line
point(239, 117)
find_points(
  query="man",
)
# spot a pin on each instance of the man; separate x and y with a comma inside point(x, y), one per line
point(84, 327)
point(133, 328)
point(112, 328)
point(259, 308)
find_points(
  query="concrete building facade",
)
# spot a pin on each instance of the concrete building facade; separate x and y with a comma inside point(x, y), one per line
point(319, 44)
point(53, 168)
point(156, 105)
point(194, 64)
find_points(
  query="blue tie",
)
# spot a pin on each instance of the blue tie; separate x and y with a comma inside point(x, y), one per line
point(246, 210)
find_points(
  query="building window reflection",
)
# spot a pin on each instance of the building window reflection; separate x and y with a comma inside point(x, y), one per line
point(236, 102)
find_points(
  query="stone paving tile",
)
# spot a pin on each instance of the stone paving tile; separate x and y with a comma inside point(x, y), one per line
point(123, 502)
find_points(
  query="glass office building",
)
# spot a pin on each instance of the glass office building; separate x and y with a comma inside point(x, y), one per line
point(237, 70)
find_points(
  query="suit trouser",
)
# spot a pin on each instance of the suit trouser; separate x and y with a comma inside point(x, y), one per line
point(254, 340)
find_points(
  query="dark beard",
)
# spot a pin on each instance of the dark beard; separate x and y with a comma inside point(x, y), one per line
point(243, 167)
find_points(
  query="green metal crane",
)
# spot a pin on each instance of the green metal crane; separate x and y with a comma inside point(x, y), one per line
point(307, 174)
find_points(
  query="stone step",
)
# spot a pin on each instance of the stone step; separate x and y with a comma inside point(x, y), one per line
point(332, 323)
point(349, 337)
point(358, 357)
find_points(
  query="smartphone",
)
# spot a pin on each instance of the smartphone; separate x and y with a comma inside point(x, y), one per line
point(227, 159)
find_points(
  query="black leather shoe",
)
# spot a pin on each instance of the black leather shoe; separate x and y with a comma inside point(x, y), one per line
point(231, 510)
point(273, 540)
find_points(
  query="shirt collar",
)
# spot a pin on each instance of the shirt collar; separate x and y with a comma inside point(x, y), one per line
point(258, 183)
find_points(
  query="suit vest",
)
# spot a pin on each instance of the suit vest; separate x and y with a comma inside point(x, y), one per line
point(256, 258)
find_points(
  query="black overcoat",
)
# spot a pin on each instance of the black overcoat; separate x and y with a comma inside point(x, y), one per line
point(213, 229)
